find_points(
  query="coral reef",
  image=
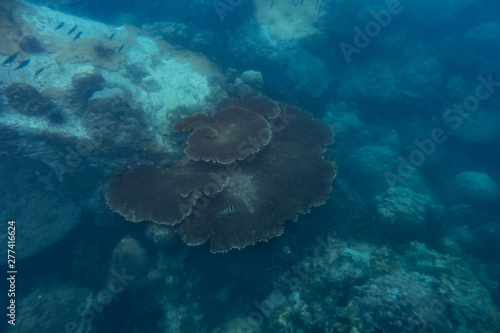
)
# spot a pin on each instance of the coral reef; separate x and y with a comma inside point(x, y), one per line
point(72, 305)
point(367, 164)
point(288, 19)
point(308, 73)
point(188, 124)
point(162, 236)
point(103, 51)
point(398, 303)
point(30, 44)
point(409, 243)
point(249, 83)
point(369, 168)
point(220, 138)
point(239, 324)
point(45, 215)
point(175, 187)
point(136, 72)
point(172, 32)
point(262, 105)
point(116, 125)
point(404, 214)
point(180, 34)
point(271, 173)
point(489, 276)
point(473, 188)
point(359, 287)
point(414, 76)
point(482, 126)
point(27, 100)
point(479, 47)
point(481, 241)
point(131, 257)
point(84, 84)
point(289, 70)
point(253, 79)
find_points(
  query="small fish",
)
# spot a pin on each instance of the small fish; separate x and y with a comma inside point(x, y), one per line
point(60, 25)
point(72, 30)
point(10, 59)
point(23, 64)
point(229, 210)
point(78, 35)
point(121, 48)
point(110, 38)
point(272, 3)
point(38, 72)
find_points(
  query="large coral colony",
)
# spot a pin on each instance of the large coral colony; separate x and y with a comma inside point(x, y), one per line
point(169, 149)
point(250, 166)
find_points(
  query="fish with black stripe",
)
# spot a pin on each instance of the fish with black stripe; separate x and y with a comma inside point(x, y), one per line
point(229, 210)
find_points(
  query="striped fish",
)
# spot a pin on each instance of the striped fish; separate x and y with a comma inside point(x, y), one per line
point(229, 210)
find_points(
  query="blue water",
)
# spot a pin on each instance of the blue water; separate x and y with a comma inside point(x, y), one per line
point(132, 217)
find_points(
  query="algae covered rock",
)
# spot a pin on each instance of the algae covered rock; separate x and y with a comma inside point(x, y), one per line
point(481, 126)
point(366, 166)
point(253, 79)
point(27, 100)
point(403, 213)
point(55, 307)
point(131, 258)
point(473, 188)
point(85, 83)
point(42, 215)
point(398, 304)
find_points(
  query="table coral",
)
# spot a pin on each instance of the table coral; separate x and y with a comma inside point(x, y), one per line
point(221, 139)
point(249, 167)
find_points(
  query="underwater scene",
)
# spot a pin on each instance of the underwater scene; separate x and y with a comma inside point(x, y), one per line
point(250, 166)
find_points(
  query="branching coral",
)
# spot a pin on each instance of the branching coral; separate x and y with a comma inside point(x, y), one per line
point(248, 168)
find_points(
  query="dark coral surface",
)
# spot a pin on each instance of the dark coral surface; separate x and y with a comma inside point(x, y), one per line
point(243, 176)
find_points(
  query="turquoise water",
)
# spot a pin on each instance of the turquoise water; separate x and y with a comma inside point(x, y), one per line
point(250, 166)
